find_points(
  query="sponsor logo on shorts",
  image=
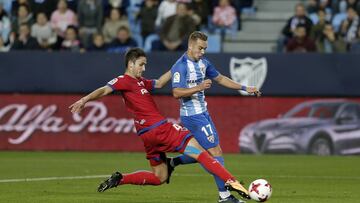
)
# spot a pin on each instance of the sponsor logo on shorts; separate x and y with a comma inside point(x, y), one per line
point(211, 138)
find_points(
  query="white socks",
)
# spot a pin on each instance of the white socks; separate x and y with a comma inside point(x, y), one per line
point(224, 194)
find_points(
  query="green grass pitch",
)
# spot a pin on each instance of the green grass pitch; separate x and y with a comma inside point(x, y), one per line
point(295, 179)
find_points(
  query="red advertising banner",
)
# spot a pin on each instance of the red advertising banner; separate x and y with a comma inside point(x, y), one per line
point(44, 122)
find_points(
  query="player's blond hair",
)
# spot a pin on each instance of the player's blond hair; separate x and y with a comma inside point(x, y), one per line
point(198, 35)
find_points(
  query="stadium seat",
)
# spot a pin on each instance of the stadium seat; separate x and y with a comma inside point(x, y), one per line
point(139, 40)
point(132, 11)
point(149, 40)
point(214, 43)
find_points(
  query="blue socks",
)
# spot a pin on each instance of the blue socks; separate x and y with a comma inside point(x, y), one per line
point(182, 159)
point(220, 183)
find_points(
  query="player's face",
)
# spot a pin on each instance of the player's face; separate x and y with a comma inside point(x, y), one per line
point(138, 67)
point(197, 49)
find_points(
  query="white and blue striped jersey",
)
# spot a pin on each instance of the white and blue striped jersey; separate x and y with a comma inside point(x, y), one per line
point(187, 73)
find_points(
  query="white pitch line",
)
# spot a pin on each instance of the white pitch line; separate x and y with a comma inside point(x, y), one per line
point(281, 176)
point(52, 178)
point(178, 174)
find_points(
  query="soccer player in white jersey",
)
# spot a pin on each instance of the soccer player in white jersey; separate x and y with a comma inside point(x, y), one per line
point(190, 70)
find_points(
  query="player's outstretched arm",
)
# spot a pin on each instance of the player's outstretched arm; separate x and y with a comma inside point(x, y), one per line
point(187, 92)
point(227, 82)
point(161, 82)
point(79, 105)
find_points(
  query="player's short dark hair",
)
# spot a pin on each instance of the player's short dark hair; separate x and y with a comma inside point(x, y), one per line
point(133, 54)
point(198, 35)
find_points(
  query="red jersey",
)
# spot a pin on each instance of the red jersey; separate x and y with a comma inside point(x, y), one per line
point(138, 100)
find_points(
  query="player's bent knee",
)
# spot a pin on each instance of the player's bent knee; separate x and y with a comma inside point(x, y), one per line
point(215, 151)
point(195, 144)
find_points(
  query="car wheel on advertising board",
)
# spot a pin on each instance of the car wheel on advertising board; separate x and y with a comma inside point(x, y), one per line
point(321, 146)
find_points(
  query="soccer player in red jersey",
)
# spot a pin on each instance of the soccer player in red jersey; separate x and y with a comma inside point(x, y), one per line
point(158, 135)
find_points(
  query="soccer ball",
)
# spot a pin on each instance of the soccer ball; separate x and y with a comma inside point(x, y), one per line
point(260, 190)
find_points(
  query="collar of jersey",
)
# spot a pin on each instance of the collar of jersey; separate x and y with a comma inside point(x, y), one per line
point(187, 57)
point(132, 77)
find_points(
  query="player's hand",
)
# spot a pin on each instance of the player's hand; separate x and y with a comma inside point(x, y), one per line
point(253, 90)
point(206, 84)
point(78, 106)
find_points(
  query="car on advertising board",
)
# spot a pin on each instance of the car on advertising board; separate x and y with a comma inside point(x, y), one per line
point(321, 127)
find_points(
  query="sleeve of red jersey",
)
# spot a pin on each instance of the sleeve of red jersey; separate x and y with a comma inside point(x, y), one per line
point(117, 84)
point(149, 84)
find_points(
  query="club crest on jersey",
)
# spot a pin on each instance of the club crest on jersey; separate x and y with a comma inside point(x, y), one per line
point(141, 83)
point(141, 122)
point(144, 91)
point(248, 71)
point(211, 138)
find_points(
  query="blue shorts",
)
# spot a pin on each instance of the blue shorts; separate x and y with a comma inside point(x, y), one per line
point(202, 128)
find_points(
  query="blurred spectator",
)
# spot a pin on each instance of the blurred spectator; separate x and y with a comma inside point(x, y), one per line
point(43, 6)
point(299, 18)
point(196, 18)
point(62, 18)
point(147, 15)
point(132, 12)
point(112, 25)
point(23, 16)
point(118, 4)
point(98, 43)
point(24, 41)
point(5, 26)
point(90, 16)
point(122, 42)
point(355, 4)
point(71, 41)
point(300, 42)
point(340, 6)
point(16, 4)
point(43, 32)
point(320, 5)
point(317, 29)
point(3, 47)
point(224, 17)
point(325, 5)
point(313, 6)
point(201, 8)
point(6, 4)
point(176, 29)
point(329, 42)
point(349, 27)
point(166, 9)
point(71, 4)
